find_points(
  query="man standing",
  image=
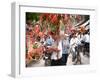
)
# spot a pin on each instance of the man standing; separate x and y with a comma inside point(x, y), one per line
point(86, 40)
point(57, 52)
point(73, 46)
point(65, 48)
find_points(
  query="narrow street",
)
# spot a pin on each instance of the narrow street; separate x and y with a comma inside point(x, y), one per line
point(84, 60)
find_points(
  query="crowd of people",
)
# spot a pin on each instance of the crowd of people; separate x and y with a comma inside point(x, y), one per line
point(54, 49)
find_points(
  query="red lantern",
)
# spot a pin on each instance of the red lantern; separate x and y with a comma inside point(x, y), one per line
point(54, 19)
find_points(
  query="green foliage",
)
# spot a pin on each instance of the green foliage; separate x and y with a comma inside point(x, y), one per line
point(32, 16)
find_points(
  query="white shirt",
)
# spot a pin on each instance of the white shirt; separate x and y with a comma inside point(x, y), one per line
point(54, 54)
point(74, 42)
point(80, 38)
point(86, 38)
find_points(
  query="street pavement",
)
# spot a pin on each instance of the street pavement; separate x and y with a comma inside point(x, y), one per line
point(84, 60)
